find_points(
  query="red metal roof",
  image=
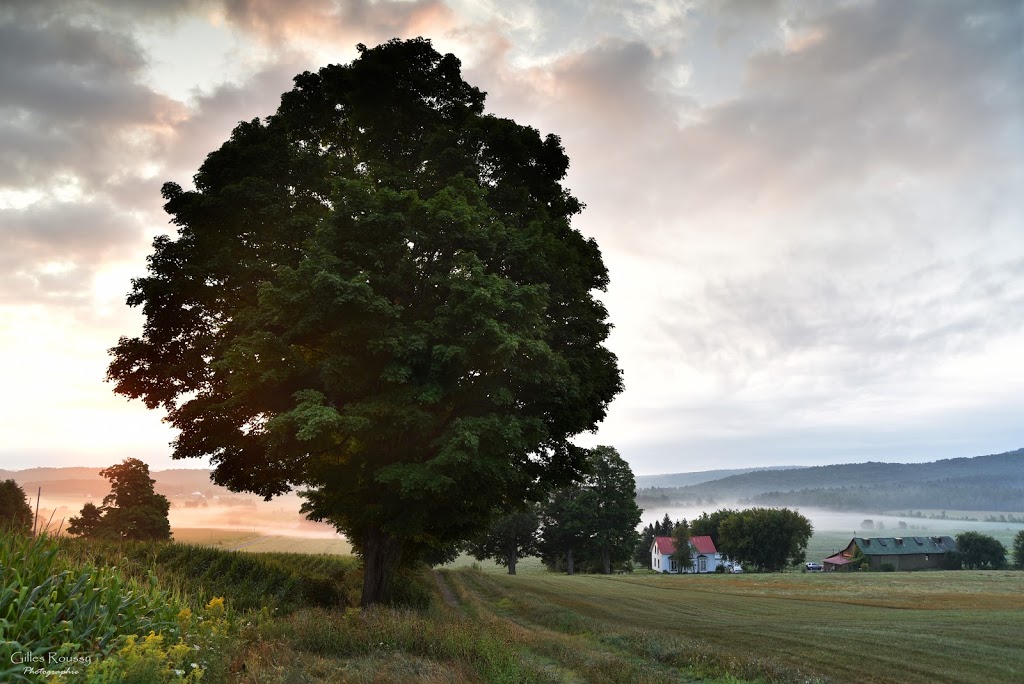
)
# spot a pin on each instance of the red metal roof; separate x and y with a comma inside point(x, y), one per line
point(702, 544)
point(838, 559)
point(666, 546)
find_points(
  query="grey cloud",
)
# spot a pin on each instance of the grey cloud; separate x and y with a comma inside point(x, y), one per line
point(50, 251)
point(73, 104)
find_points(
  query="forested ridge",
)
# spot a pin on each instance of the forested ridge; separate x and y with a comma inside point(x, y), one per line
point(994, 482)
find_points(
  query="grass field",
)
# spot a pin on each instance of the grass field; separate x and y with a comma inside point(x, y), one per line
point(256, 542)
point(877, 627)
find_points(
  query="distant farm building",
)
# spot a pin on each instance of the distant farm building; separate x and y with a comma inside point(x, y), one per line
point(703, 553)
point(902, 553)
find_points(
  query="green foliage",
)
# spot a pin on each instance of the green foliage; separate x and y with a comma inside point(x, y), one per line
point(887, 567)
point(52, 603)
point(567, 521)
point(249, 581)
point(642, 553)
point(593, 522)
point(1018, 550)
point(707, 525)
point(376, 294)
point(509, 538)
point(89, 524)
point(15, 512)
point(132, 509)
point(683, 555)
point(980, 551)
point(770, 539)
point(612, 493)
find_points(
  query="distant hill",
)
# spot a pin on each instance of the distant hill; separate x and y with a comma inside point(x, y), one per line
point(79, 481)
point(994, 482)
point(686, 479)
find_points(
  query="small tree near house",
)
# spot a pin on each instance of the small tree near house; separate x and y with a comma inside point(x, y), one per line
point(683, 555)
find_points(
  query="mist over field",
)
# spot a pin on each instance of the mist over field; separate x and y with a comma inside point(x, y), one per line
point(850, 522)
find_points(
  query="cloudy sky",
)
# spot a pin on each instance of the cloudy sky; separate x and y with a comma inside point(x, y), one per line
point(813, 212)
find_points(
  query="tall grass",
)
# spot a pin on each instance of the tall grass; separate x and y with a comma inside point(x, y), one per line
point(280, 581)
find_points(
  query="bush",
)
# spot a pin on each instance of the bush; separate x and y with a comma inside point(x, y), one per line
point(888, 567)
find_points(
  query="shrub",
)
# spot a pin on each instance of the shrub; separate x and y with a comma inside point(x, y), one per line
point(888, 567)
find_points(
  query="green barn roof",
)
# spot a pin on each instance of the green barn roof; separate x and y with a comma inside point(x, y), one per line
point(902, 546)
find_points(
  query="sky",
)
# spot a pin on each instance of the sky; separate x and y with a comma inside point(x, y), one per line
point(812, 212)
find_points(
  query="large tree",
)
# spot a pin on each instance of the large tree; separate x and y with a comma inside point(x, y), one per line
point(768, 538)
point(1018, 550)
point(132, 509)
point(979, 551)
point(593, 522)
point(567, 525)
point(612, 492)
point(15, 511)
point(376, 295)
point(708, 524)
point(88, 523)
point(509, 537)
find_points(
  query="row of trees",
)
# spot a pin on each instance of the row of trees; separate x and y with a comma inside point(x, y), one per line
point(589, 525)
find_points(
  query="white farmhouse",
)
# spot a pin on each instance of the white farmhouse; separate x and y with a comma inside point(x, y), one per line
point(706, 557)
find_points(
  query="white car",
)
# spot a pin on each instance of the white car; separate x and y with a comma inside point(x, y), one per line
point(736, 569)
point(814, 567)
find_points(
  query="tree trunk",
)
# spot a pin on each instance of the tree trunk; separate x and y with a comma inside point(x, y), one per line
point(382, 554)
point(568, 560)
point(606, 561)
point(512, 558)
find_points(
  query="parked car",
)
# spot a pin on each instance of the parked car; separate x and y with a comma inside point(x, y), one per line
point(814, 567)
point(737, 569)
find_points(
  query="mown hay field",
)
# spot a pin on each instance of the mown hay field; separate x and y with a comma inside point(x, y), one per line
point(874, 627)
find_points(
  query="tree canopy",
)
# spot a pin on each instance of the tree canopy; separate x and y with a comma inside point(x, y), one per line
point(977, 551)
point(683, 555)
point(376, 294)
point(708, 524)
point(509, 537)
point(15, 511)
point(770, 539)
point(132, 509)
point(593, 522)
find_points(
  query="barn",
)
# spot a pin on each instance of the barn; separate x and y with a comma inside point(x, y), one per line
point(902, 553)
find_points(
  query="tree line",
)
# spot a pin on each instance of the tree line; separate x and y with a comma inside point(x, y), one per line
point(588, 526)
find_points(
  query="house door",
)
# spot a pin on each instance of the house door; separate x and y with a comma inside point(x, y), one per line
point(702, 564)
